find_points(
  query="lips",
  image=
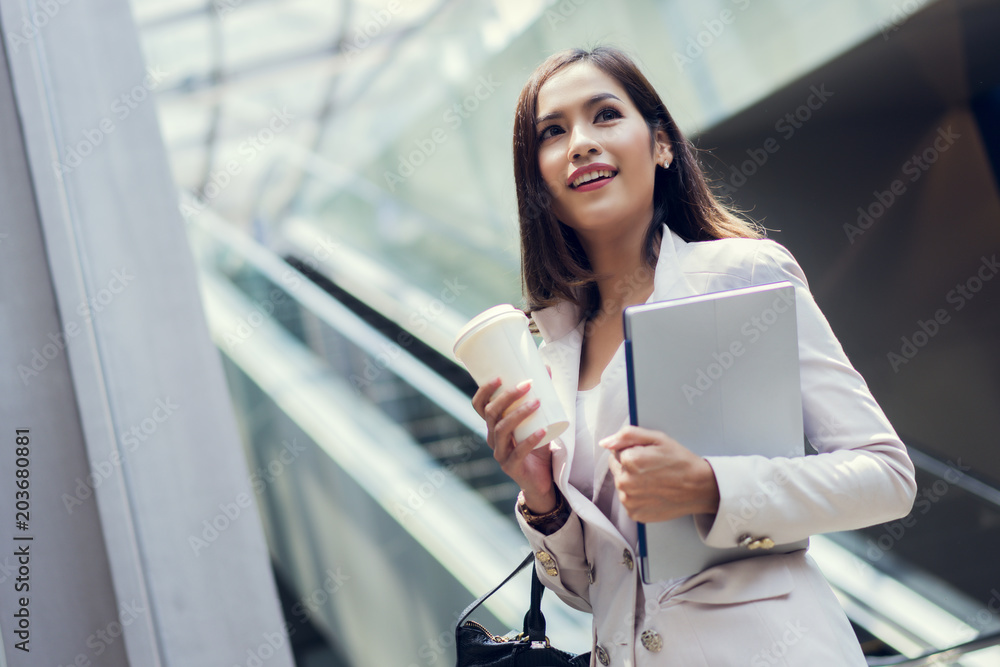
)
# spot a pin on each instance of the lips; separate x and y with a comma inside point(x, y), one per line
point(592, 173)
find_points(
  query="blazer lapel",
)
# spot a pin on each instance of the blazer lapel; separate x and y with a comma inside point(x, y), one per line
point(563, 356)
point(561, 327)
point(669, 282)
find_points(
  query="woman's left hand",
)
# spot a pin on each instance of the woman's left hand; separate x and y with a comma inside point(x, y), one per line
point(659, 479)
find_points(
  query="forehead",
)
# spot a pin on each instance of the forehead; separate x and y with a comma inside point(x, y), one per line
point(573, 85)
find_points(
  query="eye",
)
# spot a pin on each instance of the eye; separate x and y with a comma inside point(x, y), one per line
point(545, 134)
point(608, 113)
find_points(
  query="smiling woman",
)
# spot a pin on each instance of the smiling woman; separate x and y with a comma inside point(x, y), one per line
point(614, 211)
point(601, 103)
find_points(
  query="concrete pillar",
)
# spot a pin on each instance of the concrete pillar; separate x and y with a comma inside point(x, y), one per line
point(145, 545)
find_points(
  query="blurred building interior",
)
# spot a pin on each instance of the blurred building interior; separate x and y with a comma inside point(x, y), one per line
point(343, 181)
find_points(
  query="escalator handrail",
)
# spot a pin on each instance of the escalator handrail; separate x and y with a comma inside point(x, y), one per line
point(333, 313)
point(940, 656)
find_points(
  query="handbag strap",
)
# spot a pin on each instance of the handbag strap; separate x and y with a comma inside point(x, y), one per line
point(534, 621)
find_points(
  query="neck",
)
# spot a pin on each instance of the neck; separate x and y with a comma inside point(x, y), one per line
point(624, 278)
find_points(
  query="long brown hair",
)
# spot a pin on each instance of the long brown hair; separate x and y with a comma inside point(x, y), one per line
point(554, 265)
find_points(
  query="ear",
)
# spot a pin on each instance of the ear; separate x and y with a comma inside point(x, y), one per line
point(663, 149)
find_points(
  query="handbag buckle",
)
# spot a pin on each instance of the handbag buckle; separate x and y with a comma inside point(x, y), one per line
point(535, 644)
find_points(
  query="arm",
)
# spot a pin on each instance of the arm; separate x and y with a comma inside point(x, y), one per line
point(862, 474)
point(560, 557)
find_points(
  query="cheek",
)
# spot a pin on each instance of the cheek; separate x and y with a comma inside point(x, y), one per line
point(551, 169)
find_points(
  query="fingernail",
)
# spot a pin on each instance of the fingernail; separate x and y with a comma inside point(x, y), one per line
point(539, 433)
point(524, 384)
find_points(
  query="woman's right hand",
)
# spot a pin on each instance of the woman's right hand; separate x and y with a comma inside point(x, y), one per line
point(530, 468)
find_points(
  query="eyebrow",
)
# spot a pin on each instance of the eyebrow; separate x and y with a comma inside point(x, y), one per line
point(592, 101)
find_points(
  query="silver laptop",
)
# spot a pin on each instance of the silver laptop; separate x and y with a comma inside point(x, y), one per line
point(719, 373)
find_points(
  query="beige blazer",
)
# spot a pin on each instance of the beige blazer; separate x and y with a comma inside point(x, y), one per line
point(773, 610)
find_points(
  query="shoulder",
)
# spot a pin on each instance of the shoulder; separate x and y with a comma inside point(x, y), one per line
point(752, 261)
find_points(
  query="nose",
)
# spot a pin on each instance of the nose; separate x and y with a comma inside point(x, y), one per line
point(582, 142)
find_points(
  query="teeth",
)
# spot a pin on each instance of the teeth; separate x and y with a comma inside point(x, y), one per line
point(591, 175)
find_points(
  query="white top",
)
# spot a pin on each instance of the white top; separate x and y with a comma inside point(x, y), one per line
point(582, 474)
point(588, 414)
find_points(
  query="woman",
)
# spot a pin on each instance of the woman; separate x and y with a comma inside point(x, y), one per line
point(615, 211)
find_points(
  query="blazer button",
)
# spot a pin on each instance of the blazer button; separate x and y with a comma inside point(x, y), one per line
point(592, 574)
point(544, 558)
point(628, 559)
point(602, 656)
point(763, 543)
point(651, 641)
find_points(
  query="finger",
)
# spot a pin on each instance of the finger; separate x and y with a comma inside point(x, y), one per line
point(508, 424)
point(632, 436)
point(631, 459)
point(504, 429)
point(496, 409)
point(615, 466)
point(483, 394)
point(524, 448)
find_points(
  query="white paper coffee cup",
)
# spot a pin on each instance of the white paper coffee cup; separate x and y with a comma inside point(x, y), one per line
point(497, 343)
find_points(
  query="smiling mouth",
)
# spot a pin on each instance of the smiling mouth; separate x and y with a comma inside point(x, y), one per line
point(593, 177)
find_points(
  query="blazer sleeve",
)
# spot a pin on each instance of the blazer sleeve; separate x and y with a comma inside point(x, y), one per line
point(561, 561)
point(861, 475)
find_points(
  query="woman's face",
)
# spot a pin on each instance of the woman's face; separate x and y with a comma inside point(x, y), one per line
point(588, 127)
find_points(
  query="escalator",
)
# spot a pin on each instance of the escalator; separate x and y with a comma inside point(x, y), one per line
point(398, 501)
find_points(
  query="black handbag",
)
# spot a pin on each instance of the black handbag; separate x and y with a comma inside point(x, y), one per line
point(478, 647)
